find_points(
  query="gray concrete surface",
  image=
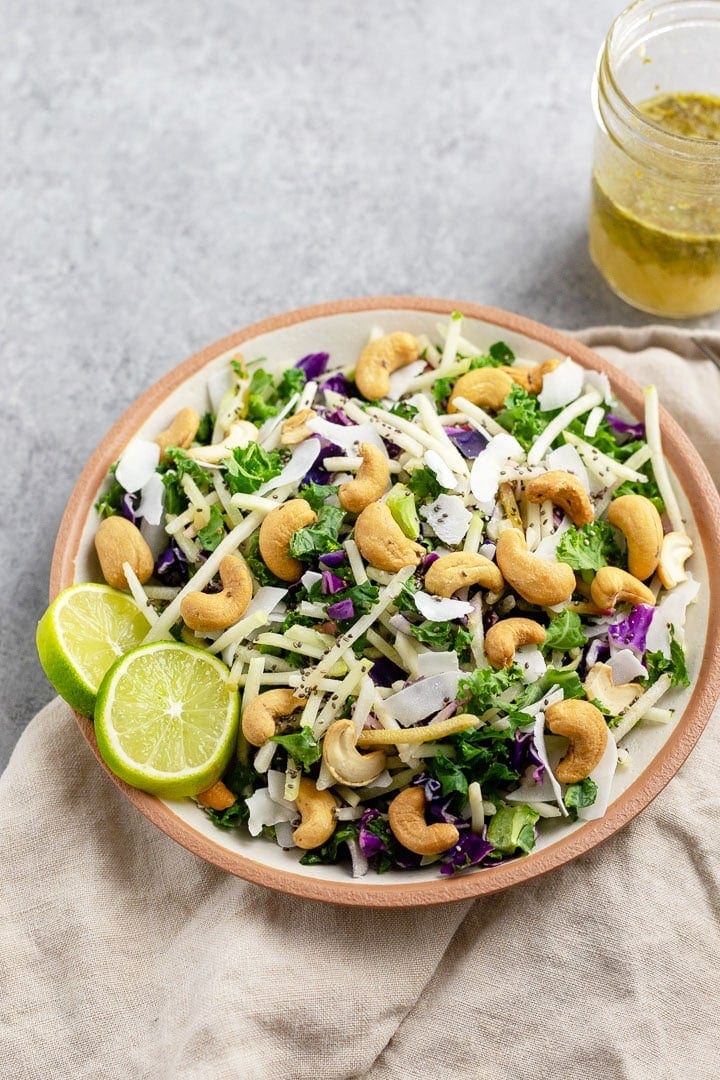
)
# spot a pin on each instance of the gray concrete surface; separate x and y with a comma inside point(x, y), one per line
point(171, 172)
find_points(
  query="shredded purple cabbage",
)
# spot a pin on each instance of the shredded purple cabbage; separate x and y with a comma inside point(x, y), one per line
point(334, 558)
point(331, 583)
point(318, 474)
point(172, 566)
point(128, 507)
point(384, 672)
point(338, 383)
point(468, 441)
point(470, 850)
point(313, 364)
point(524, 753)
point(344, 609)
point(428, 560)
point(370, 844)
point(631, 632)
point(634, 430)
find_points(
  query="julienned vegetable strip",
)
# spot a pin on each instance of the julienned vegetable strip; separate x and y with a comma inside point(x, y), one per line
point(435, 596)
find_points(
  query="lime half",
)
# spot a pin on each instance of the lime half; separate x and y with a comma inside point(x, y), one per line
point(85, 629)
point(165, 720)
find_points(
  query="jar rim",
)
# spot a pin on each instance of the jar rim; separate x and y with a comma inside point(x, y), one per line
point(650, 130)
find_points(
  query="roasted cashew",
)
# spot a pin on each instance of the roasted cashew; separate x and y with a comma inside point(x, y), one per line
point(406, 815)
point(118, 541)
point(615, 697)
point(260, 717)
point(531, 378)
point(562, 489)
point(539, 581)
point(381, 357)
point(276, 531)
point(370, 481)
point(216, 611)
point(585, 727)
point(217, 797)
point(295, 429)
point(317, 810)
point(180, 433)
point(460, 569)
point(612, 586)
point(486, 387)
point(506, 636)
point(381, 541)
point(343, 760)
point(240, 433)
point(676, 549)
point(639, 521)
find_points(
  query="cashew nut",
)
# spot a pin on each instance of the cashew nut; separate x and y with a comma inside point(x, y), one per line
point(487, 387)
point(370, 481)
point(381, 357)
point(460, 569)
point(317, 810)
point(639, 521)
point(539, 581)
point(343, 760)
point(676, 549)
point(217, 797)
point(506, 636)
point(216, 611)
point(382, 542)
point(531, 378)
point(295, 429)
point(406, 815)
point(181, 432)
point(615, 697)
point(276, 531)
point(118, 541)
point(563, 489)
point(261, 715)
point(585, 727)
point(612, 586)
point(240, 433)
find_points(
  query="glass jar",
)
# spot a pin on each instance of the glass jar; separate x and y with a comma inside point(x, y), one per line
point(655, 204)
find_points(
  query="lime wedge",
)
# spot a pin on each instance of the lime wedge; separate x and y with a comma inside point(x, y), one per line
point(85, 629)
point(165, 720)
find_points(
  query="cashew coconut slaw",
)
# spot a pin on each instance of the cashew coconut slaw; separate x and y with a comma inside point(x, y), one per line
point(446, 584)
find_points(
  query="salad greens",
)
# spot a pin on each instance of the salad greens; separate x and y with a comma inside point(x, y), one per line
point(362, 645)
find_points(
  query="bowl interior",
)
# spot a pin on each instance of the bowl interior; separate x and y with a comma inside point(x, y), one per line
point(655, 751)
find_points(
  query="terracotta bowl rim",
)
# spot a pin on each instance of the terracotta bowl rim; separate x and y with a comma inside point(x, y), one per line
point(697, 485)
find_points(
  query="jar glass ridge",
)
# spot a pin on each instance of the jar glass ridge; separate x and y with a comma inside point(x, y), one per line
point(655, 210)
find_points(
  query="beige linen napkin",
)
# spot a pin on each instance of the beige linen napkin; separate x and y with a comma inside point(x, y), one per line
point(123, 956)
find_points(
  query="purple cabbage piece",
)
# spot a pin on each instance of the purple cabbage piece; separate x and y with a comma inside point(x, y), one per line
point(631, 632)
point(338, 383)
point(344, 609)
point(428, 560)
point(128, 507)
point(634, 430)
point(337, 416)
point(370, 844)
point(523, 753)
point(331, 583)
point(313, 364)
point(468, 441)
point(172, 566)
point(597, 652)
point(384, 672)
point(470, 850)
point(334, 558)
point(318, 474)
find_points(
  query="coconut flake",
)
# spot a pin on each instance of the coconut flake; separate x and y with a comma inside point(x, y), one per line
point(304, 457)
point(348, 437)
point(444, 475)
point(599, 381)
point(671, 612)
point(625, 666)
point(602, 775)
point(310, 578)
point(402, 379)
point(541, 750)
point(137, 464)
point(440, 608)
point(266, 811)
point(422, 698)
point(547, 548)
point(567, 459)
point(151, 500)
point(561, 386)
point(449, 518)
point(485, 474)
point(436, 663)
point(532, 662)
point(265, 599)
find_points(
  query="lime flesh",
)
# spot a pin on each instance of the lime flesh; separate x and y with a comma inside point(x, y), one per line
point(83, 632)
point(165, 720)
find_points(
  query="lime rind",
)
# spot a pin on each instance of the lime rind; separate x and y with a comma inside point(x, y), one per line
point(165, 720)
